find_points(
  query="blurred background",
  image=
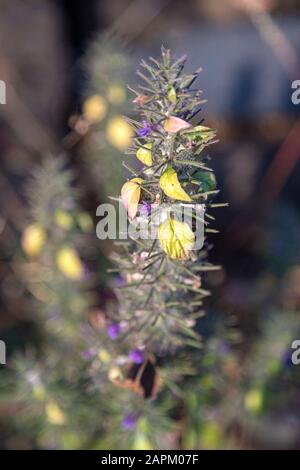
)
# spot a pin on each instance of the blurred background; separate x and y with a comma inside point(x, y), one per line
point(54, 55)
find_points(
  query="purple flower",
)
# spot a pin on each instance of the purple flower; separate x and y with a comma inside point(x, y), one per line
point(119, 280)
point(86, 273)
point(129, 422)
point(88, 353)
point(136, 356)
point(224, 348)
point(144, 209)
point(287, 359)
point(145, 130)
point(113, 330)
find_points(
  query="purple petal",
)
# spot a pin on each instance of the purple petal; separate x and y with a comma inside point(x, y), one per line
point(113, 330)
point(136, 356)
point(287, 359)
point(144, 209)
point(129, 422)
point(119, 280)
point(86, 273)
point(88, 353)
point(224, 347)
point(145, 130)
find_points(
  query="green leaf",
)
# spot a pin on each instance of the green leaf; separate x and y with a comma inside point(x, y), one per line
point(207, 180)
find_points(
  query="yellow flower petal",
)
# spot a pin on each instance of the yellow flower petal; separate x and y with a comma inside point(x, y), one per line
point(145, 154)
point(95, 108)
point(174, 124)
point(104, 356)
point(254, 400)
point(69, 263)
point(39, 393)
point(33, 239)
point(211, 436)
point(54, 414)
point(130, 195)
point(141, 442)
point(176, 238)
point(114, 373)
point(171, 187)
point(119, 133)
point(63, 219)
point(172, 97)
point(85, 222)
point(116, 94)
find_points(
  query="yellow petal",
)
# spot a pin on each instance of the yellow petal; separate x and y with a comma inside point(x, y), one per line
point(95, 108)
point(63, 219)
point(145, 154)
point(85, 222)
point(114, 373)
point(39, 393)
point(104, 356)
point(171, 187)
point(54, 414)
point(69, 263)
point(141, 442)
point(211, 435)
point(176, 238)
point(130, 195)
point(33, 239)
point(119, 133)
point(174, 124)
point(253, 400)
point(116, 94)
point(172, 97)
